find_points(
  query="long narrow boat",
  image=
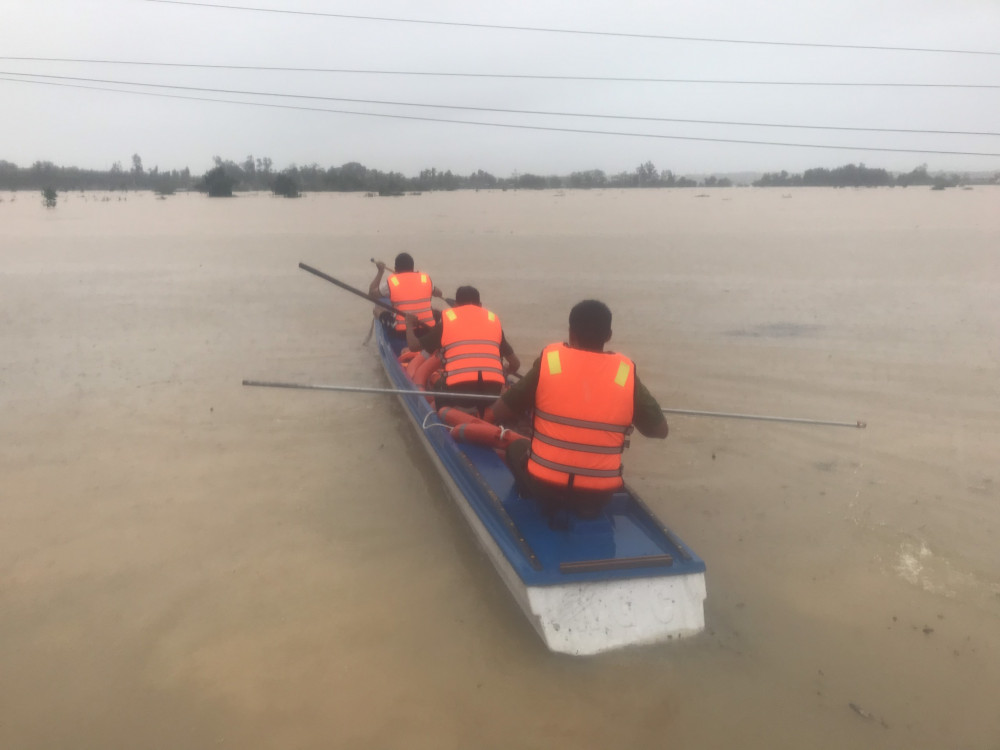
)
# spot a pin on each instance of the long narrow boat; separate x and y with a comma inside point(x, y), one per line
point(622, 579)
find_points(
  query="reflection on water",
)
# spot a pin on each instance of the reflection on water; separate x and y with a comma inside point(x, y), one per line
point(189, 563)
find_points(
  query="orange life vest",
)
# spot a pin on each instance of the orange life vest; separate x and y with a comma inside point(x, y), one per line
point(470, 345)
point(584, 407)
point(411, 292)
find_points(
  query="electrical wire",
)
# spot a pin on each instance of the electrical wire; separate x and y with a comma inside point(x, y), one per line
point(516, 126)
point(503, 110)
point(578, 31)
point(507, 76)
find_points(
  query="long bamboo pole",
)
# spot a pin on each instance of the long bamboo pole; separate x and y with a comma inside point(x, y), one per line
point(348, 287)
point(360, 389)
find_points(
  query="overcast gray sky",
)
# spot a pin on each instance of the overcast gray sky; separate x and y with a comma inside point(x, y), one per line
point(93, 129)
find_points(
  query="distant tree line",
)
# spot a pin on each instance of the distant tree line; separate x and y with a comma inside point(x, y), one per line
point(253, 173)
point(45, 174)
point(644, 176)
point(352, 177)
point(851, 175)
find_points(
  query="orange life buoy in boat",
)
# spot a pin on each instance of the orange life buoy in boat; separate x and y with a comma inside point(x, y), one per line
point(509, 436)
point(484, 433)
point(406, 355)
point(413, 364)
point(453, 416)
point(477, 432)
point(425, 369)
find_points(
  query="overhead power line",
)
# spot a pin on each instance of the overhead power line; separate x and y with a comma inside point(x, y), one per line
point(512, 126)
point(577, 31)
point(515, 76)
point(500, 110)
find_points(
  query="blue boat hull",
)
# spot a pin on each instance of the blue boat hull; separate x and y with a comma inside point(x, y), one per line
point(619, 580)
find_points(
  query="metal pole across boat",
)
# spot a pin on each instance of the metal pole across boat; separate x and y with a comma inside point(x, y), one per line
point(487, 397)
point(794, 420)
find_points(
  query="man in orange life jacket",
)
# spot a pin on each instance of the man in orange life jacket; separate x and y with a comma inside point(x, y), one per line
point(408, 291)
point(472, 348)
point(585, 401)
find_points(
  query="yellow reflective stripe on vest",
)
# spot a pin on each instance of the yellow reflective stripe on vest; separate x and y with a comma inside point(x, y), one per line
point(450, 314)
point(555, 367)
point(622, 377)
point(394, 281)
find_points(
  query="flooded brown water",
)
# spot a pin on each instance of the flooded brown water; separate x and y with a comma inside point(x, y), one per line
point(188, 563)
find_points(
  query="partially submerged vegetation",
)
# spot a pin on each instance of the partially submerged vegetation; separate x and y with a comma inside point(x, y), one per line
point(859, 175)
point(258, 174)
point(217, 183)
point(286, 186)
point(44, 174)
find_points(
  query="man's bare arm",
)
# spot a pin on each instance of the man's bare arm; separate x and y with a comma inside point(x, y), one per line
point(411, 338)
point(373, 287)
point(513, 363)
point(501, 413)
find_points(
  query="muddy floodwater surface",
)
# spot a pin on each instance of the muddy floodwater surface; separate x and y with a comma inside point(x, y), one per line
point(189, 563)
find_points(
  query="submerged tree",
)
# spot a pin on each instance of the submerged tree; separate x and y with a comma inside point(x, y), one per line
point(218, 183)
point(646, 175)
point(285, 185)
point(49, 196)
